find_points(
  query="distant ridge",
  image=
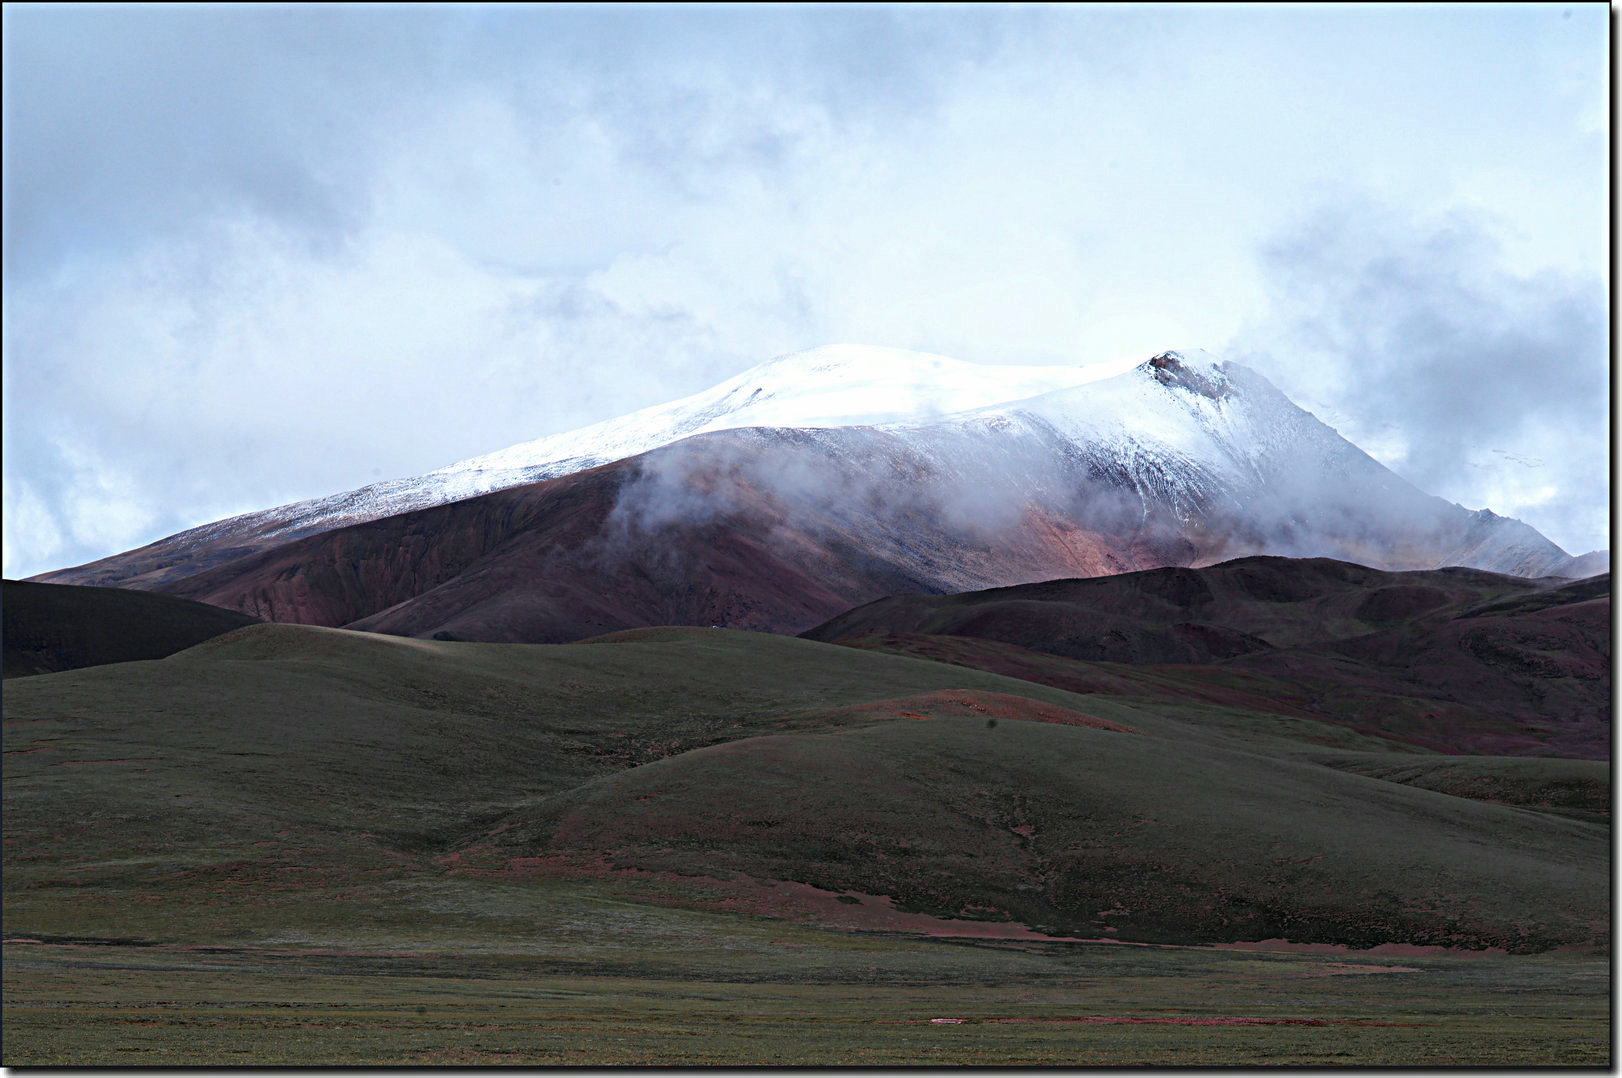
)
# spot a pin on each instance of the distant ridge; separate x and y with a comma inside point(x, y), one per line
point(1451, 660)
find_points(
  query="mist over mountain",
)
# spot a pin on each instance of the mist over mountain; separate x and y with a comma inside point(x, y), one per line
point(829, 478)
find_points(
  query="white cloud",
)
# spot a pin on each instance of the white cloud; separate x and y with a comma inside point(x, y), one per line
point(31, 530)
point(1444, 364)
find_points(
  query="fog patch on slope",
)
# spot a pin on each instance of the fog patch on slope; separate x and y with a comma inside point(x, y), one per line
point(978, 485)
point(942, 500)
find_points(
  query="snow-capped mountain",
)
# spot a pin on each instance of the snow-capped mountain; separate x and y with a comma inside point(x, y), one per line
point(834, 386)
point(1198, 458)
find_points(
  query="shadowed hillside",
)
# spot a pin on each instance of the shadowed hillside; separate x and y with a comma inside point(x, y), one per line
point(51, 627)
point(1178, 614)
point(1453, 660)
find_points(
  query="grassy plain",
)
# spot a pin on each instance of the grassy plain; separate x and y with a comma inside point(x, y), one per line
point(820, 999)
point(302, 846)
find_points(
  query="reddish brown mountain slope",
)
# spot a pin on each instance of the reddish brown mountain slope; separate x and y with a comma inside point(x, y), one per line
point(748, 529)
point(779, 530)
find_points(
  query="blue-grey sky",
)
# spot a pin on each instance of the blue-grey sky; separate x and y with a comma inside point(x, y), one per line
point(254, 254)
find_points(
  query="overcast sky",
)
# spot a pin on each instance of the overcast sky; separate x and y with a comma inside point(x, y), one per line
point(256, 254)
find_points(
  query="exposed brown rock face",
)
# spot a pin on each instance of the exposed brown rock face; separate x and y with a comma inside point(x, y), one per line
point(1170, 370)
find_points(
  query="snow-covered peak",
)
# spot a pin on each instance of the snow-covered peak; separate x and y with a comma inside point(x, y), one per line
point(835, 386)
point(1180, 400)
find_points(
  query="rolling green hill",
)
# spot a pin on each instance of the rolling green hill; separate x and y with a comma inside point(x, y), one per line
point(720, 753)
point(364, 823)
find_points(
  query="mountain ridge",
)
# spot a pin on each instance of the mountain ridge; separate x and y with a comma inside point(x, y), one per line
point(1179, 460)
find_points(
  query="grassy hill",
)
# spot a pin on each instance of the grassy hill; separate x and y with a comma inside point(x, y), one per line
point(713, 752)
point(670, 807)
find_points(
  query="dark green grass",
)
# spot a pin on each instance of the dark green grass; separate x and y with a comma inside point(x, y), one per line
point(372, 734)
point(850, 1003)
point(1576, 789)
point(279, 756)
point(340, 812)
point(1085, 831)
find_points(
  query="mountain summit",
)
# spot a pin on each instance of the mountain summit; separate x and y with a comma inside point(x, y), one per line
point(828, 478)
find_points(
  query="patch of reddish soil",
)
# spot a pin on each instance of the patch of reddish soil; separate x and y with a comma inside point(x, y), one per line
point(1394, 950)
point(785, 899)
point(855, 910)
point(1147, 1020)
point(974, 703)
point(90, 763)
